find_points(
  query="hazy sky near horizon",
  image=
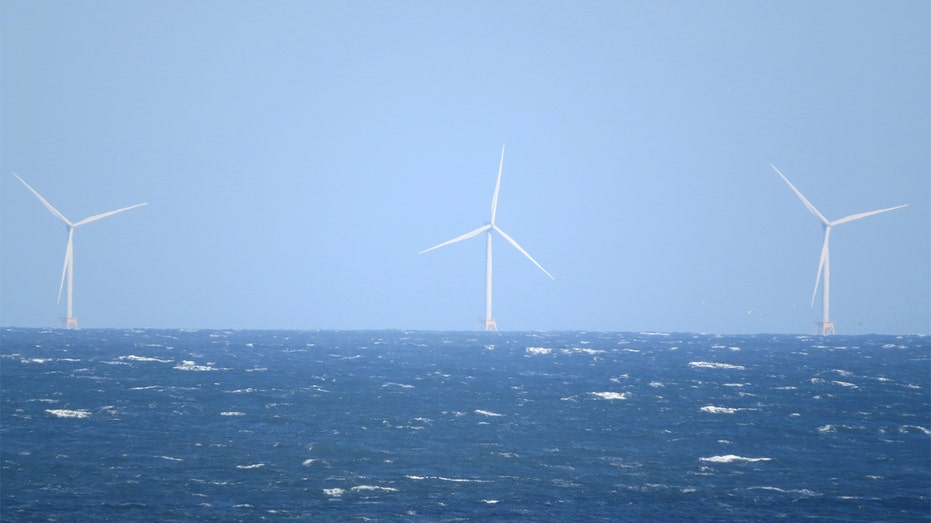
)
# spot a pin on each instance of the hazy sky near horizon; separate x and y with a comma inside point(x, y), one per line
point(297, 155)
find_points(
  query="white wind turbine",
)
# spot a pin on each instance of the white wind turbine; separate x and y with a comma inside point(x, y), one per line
point(825, 326)
point(68, 269)
point(490, 324)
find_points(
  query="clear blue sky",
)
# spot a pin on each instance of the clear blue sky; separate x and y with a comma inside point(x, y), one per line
point(297, 155)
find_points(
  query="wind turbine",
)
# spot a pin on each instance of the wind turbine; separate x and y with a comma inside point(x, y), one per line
point(488, 228)
point(68, 269)
point(825, 326)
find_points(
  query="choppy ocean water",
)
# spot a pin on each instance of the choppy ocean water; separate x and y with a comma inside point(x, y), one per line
point(169, 425)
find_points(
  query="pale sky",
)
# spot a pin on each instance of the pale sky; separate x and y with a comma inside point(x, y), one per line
point(295, 157)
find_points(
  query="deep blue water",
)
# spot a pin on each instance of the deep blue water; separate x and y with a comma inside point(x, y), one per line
point(168, 425)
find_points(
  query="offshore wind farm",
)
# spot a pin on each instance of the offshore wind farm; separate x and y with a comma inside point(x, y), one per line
point(265, 343)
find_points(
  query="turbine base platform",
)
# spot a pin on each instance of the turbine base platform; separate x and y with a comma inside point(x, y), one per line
point(824, 328)
point(71, 323)
point(491, 325)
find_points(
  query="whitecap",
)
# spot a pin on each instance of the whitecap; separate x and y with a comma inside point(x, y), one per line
point(580, 350)
point(65, 413)
point(491, 501)
point(334, 492)
point(441, 478)
point(845, 384)
point(190, 365)
point(488, 413)
point(715, 365)
point(656, 384)
point(611, 395)
point(909, 428)
point(731, 458)
point(402, 385)
point(370, 488)
point(233, 413)
point(718, 410)
point(832, 428)
point(538, 350)
point(249, 467)
point(144, 359)
point(169, 458)
point(802, 492)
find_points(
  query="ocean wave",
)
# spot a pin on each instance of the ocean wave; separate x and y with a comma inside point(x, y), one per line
point(372, 488)
point(233, 413)
point(800, 492)
point(611, 395)
point(538, 350)
point(488, 413)
point(145, 359)
point(719, 410)
point(911, 428)
point(191, 366)
point(731, 458)
point(65, 413)
point(441, 478)
point(580, 350)
point(732, 348)
point(402, 385)
point(250, 467)
point(825, 429)
point(715, 365)
point(334, 492)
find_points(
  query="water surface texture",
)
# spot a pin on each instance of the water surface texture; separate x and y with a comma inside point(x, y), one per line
point(171, 425)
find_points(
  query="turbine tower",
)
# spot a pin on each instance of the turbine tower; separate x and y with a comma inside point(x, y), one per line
point(67, 270)
point(488, 228)
point(825, 326)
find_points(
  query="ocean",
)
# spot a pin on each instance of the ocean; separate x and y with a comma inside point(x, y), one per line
point(231, 425)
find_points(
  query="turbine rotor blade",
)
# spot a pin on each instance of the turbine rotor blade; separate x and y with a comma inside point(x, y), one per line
point(465, 236)
point(69, 253)
point(106, 214)
point(521, 249)
point(802, 197)
point(857, 216)
point(494, 199)
point(824, 255)
point(45, 202)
